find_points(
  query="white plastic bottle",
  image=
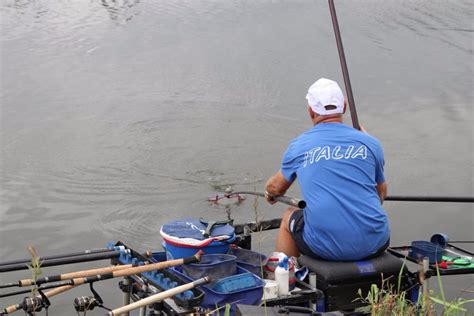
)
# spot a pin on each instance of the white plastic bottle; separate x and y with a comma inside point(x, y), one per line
point(282, 277)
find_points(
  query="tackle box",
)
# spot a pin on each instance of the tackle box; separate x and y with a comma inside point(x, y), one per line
point(449, 251)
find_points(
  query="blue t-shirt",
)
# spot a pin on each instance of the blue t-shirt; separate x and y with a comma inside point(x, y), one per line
point(338, 169)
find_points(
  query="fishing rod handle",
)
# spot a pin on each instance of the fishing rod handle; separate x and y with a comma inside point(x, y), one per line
point(137, 270)
point(290, 201)
point(13, 308)
point(159, 297)
point(282, 199)
point(73, 275)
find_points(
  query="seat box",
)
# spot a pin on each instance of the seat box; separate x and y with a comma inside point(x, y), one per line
point(340, 281)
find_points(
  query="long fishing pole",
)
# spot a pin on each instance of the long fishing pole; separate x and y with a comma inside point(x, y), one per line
point(73, 254)
point(67, 260)
point(355, 120)
point(345, 72)
point(453, 199)
point(44, 287)
point(87, 276)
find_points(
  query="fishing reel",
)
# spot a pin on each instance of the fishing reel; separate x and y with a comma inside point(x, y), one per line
point(32, 305)
point(82, 304)
point(85, 303)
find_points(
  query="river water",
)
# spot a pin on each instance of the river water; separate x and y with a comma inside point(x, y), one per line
point(118, 116)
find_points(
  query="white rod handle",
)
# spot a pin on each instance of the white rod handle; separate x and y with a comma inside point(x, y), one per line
point(158, 297)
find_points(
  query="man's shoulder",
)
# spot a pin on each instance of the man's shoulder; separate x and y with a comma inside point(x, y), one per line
point(370, 139)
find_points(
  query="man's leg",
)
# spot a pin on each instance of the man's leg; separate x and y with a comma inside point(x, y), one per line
point(285, 242)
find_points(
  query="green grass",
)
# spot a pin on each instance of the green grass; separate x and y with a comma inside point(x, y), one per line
point(388, 301)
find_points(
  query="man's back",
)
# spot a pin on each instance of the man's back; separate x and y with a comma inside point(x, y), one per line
point(338, 169)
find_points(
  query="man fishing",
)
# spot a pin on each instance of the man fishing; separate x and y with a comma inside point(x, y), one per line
point(340, 171)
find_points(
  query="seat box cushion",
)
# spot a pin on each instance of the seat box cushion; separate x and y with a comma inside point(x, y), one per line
point(333, 272)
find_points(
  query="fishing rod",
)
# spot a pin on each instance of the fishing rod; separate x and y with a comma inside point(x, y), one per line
point(35, 301)
point(73, 254)
point(45, 287)
point(159, 297)
point(302, 204)
point(355, 120)
point(453, 199)
point(67, 260)
point(66, 276)
point(282, 198)
point(345, 72)
point(120, 273)
point(88, 276)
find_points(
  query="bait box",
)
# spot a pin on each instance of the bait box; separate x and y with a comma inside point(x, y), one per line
point(405, 252)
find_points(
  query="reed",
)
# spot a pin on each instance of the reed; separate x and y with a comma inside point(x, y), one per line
point(34, 267)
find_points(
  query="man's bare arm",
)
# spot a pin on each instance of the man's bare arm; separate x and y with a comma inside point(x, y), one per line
point(382, 191)
point(275, 186)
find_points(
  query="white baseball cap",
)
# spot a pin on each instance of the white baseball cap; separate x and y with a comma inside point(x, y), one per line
point(325, 92)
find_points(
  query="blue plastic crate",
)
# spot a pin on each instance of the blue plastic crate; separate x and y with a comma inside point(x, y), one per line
point(214, 298)
point(250, 260)
point(215, 266)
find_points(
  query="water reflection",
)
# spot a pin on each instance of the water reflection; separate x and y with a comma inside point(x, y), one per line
point(76, 13)
point(121, 10)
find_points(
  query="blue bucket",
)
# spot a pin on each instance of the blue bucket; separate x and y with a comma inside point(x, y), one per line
point(183, 238)
point(178, 252)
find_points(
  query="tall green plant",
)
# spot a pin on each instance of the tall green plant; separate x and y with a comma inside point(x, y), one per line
point(34, 267)
point(386, 301)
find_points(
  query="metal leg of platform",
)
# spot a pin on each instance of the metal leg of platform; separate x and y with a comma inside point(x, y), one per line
point(126, 294)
